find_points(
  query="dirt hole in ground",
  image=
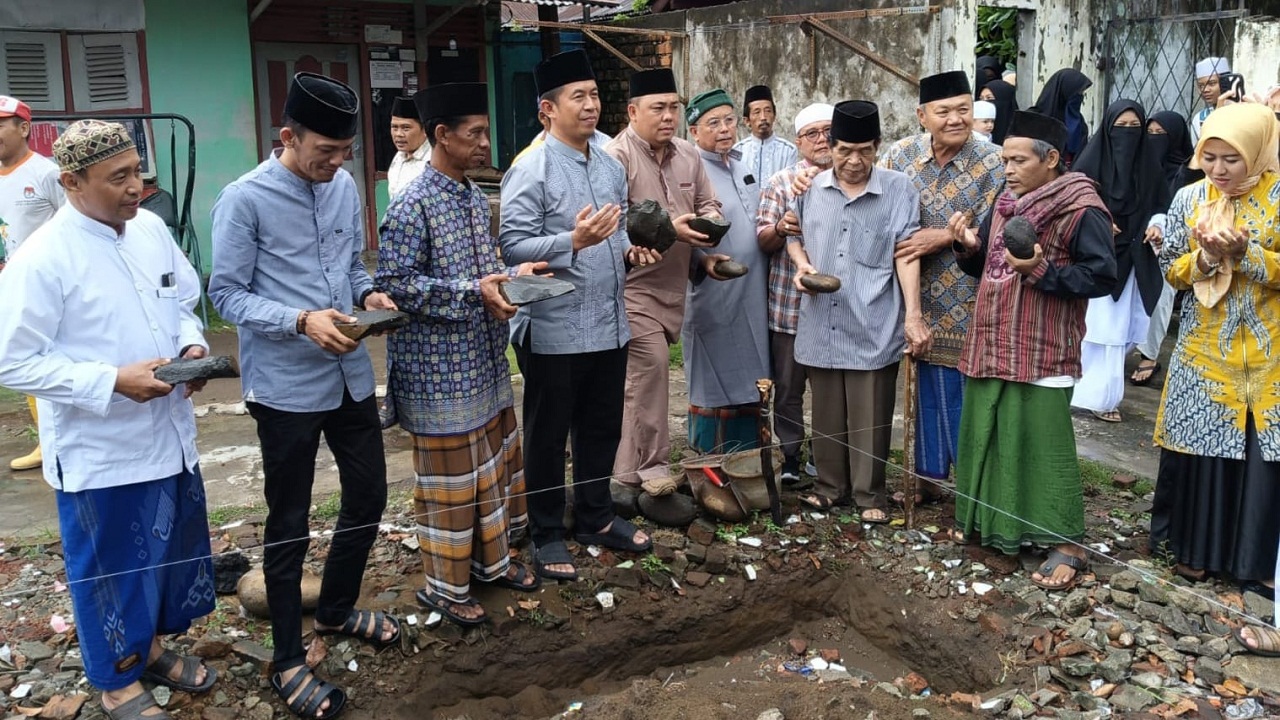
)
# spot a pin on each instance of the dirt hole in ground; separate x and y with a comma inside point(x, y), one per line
point(514, 673)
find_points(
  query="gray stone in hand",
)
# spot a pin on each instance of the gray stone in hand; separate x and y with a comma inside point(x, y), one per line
point(180, 370)
point(714, 228)
point(649, 226)
point(820, 283)
point(730, 269)
point(533, 288)
point(369, 322)
point(1020, 238)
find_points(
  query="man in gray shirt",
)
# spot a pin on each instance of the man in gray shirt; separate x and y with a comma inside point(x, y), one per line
point(284, 287)
point(851, 340)
point(562, 204)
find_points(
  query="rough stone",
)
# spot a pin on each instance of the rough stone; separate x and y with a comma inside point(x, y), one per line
point(618, 577)
point(228, 568)
point(218, 713)
point(369, 322)
point(1126, 580)
point(696, 553)
point(717, 560)
point(1116, 666)
point(1210, 671)
point(1257, 606)
point(820, 283)
point(714, 228)
point(697, 579)
point(1217, 647)
point(1188, 603)
point(252, 590)
point(1152, 593)
point(211, 647)
point(527, 289)
point(1128, 698)
point(35, 652)
point(674, 510)
point(1078, 666)
point(649, 226)
point(252, 652)
point(1123, 599)
point(771, 714)
point(1076, 603)
point(1256, 671)
point(1020, 237)
point(1149, 611)
point(179, 370)
point(1148, 680)
point(162, 695)
point(797, 646)
point(63, 707)
point(626, 499)
point(702, 533)
point(1179, 622)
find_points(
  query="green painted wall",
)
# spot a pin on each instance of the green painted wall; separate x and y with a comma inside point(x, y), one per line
point(199, 66)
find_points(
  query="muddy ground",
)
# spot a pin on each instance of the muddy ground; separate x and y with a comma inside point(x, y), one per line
point(715, 651)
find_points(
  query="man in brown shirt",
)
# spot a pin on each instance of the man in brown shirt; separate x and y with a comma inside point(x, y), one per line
point(669, 170)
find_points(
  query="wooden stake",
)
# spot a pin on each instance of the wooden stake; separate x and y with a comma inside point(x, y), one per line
point(909, 401)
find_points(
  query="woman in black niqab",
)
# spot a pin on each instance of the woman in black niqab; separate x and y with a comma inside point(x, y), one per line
point(1061, 98)
point(1003, 96)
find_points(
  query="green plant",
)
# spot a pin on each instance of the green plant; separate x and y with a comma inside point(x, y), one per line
point(731, 533)
point(328, 508)
point(653, 564)
point(675, 355)
point(998, 33)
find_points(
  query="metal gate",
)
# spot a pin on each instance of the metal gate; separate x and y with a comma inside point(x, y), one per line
point(1152, 59)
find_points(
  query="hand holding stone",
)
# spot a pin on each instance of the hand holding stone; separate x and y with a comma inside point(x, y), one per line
point(379, 301)
point(138, 381)
point(686, 234)
point(594, 228)
point(1025, 266)
point(195, 352)
point(491, 295)
point(709, 263)
point(322, 332)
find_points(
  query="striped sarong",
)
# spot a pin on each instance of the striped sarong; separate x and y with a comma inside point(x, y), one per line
point(468, 498)
point(940, 397)
point(724, 429)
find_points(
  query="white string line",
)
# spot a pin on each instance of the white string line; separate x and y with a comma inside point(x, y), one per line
point(1065, 540)
point(416, 517)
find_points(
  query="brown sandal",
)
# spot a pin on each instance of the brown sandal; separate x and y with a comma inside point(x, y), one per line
point(1267, 639)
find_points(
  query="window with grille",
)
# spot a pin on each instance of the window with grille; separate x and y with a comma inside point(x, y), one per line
point(105, 72)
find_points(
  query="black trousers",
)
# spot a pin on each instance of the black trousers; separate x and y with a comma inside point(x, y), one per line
point(290, 441)
point(577, 397)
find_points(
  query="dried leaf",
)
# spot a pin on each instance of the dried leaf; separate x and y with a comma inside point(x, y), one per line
point(1235, 686)
point(529, 605)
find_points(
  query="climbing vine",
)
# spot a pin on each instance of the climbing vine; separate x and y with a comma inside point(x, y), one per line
point(998, 34)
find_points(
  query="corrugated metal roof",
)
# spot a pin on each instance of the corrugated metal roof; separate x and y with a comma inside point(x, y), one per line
point(563, 3)
point(521, 11)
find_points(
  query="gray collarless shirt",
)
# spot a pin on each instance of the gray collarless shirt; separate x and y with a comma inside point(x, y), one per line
point(541, 197)
point(282, 245)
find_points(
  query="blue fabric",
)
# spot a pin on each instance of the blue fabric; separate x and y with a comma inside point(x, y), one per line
point(138, 565)
point(282, 245)
point(1077, 131)
point(940, 396)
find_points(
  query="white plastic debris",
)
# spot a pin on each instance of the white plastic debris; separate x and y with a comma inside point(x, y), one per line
point(818, 663)
point(817, 516)
point(951, 564)
point(1101, 547)
point(793, 519)
point(750, 571)
point(58, 624)
point(412, 619)
point(593, 551)
point(20, 691)
point(353, 665)
point(434, 619)
point(1096, 683)
point(6, 654)
point(605, 599)
point(752, 542)
point(981, 588)
point(960, 588)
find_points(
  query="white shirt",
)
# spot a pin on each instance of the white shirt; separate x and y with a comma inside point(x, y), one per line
point(405, 167)
point(1197, 122)
point(29, 196)
point(81, 301)
point(764, 158)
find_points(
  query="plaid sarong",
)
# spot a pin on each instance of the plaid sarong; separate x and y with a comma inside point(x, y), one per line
point(468, 498)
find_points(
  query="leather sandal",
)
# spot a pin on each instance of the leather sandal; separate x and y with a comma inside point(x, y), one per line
point(158, 673)
point(314, 693)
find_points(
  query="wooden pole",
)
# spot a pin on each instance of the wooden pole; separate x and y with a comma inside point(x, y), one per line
point(909, 402)
point(765, 386)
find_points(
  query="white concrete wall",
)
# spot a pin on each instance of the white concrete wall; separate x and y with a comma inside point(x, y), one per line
point(1257, 52)
point(72, 15)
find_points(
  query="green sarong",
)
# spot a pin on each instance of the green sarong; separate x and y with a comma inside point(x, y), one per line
point(1017, 475)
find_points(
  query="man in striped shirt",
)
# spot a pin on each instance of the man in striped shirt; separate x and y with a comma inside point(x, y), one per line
point(774, 224)
point(850, 341)
point(1017, 475)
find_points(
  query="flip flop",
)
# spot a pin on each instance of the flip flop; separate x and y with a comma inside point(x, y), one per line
point(1268, 640)
point(365, 625)
point(862, 516)
point(554, 553)
point(158, 673)
point(516, 583)
point(1109, 417)
point(1155, 367)
point(441, 604)
point(1056, 559)
point(821, 503)
point(619, 536)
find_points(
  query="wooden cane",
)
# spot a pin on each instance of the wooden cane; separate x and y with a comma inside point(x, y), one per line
point(765, 386)
point(909, 399)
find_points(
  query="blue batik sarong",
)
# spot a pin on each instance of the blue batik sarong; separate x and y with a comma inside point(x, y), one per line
point(940, 395)
point(138, 566)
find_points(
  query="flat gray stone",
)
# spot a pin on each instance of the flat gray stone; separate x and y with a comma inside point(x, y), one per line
point(1256, 671)
point(714, 228)
point(369, 322)
point(1126, 580)
point(35, 651)
point(180, 371)
point(1257, 606)
point(526, 289)
point(1210, 671)
point(731, 269)
point(649, 226)
point(1128, 698)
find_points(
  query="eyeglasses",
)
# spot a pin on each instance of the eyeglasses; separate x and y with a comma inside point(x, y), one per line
point(728, 121)
point(813, 134)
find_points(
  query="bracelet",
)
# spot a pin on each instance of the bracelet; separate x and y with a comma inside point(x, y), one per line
point(301, 325)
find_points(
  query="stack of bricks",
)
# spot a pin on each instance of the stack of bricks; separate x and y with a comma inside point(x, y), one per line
point(613, 76)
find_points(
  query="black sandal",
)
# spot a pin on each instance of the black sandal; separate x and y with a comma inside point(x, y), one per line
point(620, 536)
point(440, 604)
point(357, 621)
point(314, 693)
point(1151, 371)
point(554, 553)
point(1057, 559)
point(158, 673)
point(516, 583)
